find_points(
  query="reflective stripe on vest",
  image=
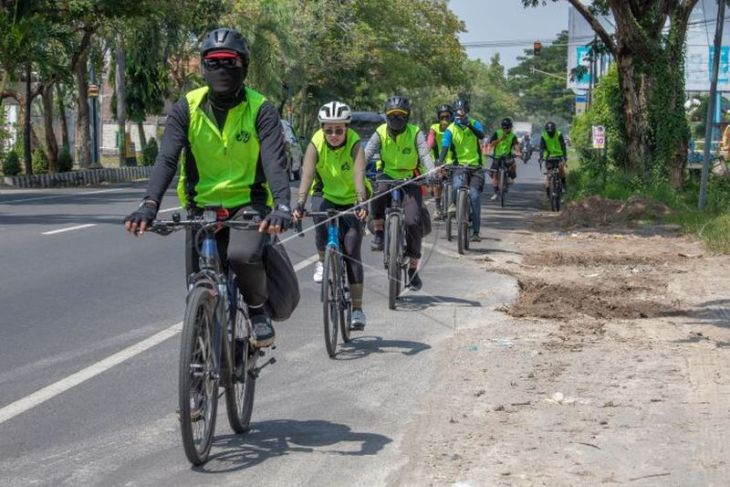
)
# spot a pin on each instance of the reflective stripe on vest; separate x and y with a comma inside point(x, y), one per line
point(466, 145)
point(504, 144)
point(336, 168)
point(226, 161)
point(399, 157)
point(552, 145)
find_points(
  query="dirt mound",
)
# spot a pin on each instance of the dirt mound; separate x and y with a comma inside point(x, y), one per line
point(554, 259)
point(554, 301)
point(596, 211)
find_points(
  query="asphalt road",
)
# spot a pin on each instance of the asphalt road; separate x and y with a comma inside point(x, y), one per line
point(89, 347)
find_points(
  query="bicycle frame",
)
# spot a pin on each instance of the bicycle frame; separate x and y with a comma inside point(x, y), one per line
point(396, 206)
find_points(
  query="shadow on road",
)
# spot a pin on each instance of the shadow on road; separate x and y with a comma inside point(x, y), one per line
point(419, 302)
point(363, 346)
point(269, 439)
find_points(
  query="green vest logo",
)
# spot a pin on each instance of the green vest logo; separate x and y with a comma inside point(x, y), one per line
point(243, 136)
point(407, 150)
point(345, 166)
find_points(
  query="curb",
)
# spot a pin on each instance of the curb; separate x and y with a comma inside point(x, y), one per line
point(79, 178)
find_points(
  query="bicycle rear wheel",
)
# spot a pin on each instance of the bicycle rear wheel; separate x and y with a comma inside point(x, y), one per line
point(462, 221)
point(555, 193)
point(330, 302)
point(394, 266)
point(198, 382)
point(502, 187)
point(345, 303)
point(240, 392)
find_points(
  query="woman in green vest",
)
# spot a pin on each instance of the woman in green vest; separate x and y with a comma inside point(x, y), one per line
point(403, 153)
point(553, 151)
point(336, 159)
point(444, 115)
point(235, 158)
point(504, 143)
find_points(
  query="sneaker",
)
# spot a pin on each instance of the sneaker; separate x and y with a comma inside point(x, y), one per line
point(377, 244)
point(452, 209)
point(438, 215)
point(358, 320)
point(318, 271)
point(494, 197)
point(475, 238)
point(262, 331)
point(414, 281)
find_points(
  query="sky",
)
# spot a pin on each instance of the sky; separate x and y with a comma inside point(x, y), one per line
point(508, 20)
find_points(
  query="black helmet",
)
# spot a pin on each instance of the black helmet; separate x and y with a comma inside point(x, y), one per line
point(225, 39)
point(444, 109)
point(507, 123)
point(398, 103)
point(461, 104)
point(550, 128)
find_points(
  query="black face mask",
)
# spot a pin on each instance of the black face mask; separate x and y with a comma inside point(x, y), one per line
point(397, 123)
point(225, 82)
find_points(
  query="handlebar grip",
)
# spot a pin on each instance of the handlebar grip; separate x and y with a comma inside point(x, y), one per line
point(298, 228)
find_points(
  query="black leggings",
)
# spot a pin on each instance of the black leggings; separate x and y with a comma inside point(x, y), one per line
point(351, 233)
point(244, 251)
point(412, 203)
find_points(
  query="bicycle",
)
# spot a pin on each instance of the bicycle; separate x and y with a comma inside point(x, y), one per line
point(335, 292)
point(555, 182)
point(503, 178)
point(464, 208)
point(215, 348)
point(394, 247)
point(447, 185)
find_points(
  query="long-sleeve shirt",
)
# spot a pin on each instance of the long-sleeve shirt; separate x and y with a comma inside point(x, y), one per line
point(272, 154)
point(424, 150)
point(478, 130)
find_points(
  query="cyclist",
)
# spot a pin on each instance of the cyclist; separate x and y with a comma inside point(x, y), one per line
point(553, 150)
point(504, 144)
point(526, 148)
point(234, 157)
point(337, 158)
point(462, 138)
point(403, 154)
point(444, 114)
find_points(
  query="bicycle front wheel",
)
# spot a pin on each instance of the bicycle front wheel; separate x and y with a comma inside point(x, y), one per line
point(446, 203)
point(345, 303)
point(502, 187)
point(240, 391)
point(393, 259)
point(198, 380)
point(330, 302)
point(462, 221)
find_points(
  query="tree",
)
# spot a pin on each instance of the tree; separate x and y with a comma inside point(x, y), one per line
point(651, 77)
point(543, 97)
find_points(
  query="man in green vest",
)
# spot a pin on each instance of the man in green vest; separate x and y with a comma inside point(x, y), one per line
point(235, 158)
point(553, 151)
point(504, 143)
point(444, 115)
point(403, 154)
point(462, 140)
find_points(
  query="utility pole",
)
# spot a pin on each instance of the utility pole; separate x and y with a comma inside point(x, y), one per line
point(27, 127)
point(711, 105)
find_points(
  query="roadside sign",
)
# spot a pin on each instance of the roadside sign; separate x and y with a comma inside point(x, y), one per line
point(93, 91)
point(599, 137)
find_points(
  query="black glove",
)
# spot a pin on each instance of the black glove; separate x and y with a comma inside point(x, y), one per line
point(146, 212)
point(280, 217)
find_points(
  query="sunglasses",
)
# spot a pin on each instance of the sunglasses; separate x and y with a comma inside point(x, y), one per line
point(337, 131)
point(213, 64)
point(445, 117)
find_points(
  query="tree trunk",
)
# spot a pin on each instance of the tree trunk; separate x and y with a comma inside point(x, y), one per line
point(27, 128)
point(62, 115)
point(83, 139)
point(142, 138)
point(51, 143)
point(634, 114)
point(119, 80)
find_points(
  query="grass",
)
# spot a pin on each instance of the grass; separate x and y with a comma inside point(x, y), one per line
point(711, 225)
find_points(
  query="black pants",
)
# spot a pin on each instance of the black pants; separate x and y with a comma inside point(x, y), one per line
point(243, 251)
point(351, 233)
point(412, 203)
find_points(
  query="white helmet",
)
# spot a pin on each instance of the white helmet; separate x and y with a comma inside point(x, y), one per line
point(335, 112)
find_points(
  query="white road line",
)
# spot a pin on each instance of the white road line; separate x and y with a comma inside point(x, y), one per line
point(306, 262)
point(42, 395)
point(48, 392)
point(70, 195)
point(170, 209)
point(68, 229)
